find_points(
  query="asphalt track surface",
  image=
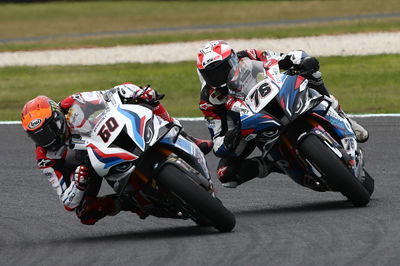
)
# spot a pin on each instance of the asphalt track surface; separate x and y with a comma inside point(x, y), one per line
point(278, 222)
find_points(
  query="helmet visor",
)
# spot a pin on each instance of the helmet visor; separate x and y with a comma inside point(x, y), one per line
point(216, 74)
point(51, 135)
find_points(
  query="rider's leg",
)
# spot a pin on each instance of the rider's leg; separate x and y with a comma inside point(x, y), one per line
point(316, 82)
point(204, 145)
point(234, 171)
point(93, 208)
point(362, 134)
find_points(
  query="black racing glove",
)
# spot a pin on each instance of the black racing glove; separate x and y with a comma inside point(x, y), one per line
point(285, 63)
point(308, 66)
point(242, 53)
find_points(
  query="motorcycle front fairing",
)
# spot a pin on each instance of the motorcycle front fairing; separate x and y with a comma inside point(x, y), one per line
point(274, 105)
point(119, 136)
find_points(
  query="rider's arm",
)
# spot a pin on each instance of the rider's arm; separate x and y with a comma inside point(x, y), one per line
point(260, 55)
point(286, 61)
point(130, 93)
point(212, 105)
point(68, 192)
point(84, 98)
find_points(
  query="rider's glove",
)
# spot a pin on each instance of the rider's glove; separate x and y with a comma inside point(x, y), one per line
point(286, 62)
point(150, 96)
point(242, 53)
point(236, 105)
point(231, 139)
point(81, 177)
point(308, 66)
point(66, 104)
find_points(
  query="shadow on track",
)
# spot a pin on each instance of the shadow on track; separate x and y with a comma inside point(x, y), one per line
point(299, 208)
point(148, 235)
point(152, 234)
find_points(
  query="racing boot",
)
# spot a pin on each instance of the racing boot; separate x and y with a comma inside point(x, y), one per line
point(249, 169)
point(362, 134)
point(205, 145)
point(316, 82)
point(128, 204)
point(93, 209)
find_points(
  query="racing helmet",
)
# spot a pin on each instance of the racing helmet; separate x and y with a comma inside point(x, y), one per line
point(44, 123)
point(217, 63)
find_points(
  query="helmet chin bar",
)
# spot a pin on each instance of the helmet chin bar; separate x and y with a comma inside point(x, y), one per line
point(217, 74)
point(52, 134)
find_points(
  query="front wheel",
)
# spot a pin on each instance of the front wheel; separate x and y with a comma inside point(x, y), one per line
point(335, 171)
point(209, 208)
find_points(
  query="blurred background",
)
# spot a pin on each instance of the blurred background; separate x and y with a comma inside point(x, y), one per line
point(363, 84)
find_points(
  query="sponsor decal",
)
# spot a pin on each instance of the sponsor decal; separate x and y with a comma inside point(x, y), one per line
point(349, 144)
point(71, 197)
point(205, 106)
point(42, 163)
point(48, 174)
point(250, 137)
point(149, 135)
point(54, 106)
point(222, 171)
point(33, 124)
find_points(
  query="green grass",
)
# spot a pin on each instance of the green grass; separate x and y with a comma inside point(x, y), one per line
point(363, 84)
point(366, 84)
point(58, 18)
point(344, 27)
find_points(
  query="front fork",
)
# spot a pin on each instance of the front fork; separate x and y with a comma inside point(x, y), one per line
point(302, 171)
point(166, 156)
point(347, 150)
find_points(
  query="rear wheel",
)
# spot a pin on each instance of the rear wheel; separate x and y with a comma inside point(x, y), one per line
point(335, 171)
point(209, 208)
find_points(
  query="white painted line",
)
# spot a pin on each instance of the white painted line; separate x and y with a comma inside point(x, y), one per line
point(374, 115)
point(9, 122)
point(202, 118)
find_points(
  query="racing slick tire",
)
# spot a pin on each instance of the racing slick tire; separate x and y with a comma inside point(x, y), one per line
point(209, 208)
point(335, 171)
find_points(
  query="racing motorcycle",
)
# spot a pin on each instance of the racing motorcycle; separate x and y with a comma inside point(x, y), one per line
point(146, 160)
point(299, 131)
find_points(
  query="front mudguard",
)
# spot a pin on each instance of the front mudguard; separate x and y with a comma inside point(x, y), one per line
point(330, 142)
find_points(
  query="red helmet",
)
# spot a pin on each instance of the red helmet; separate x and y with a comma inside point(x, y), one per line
point(217, 63)
point(44, 123)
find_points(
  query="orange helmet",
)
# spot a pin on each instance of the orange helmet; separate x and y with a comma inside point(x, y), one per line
point(44, 123)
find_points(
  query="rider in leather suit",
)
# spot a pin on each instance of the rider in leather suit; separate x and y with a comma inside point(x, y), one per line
point(217, 67)
point(76, 184)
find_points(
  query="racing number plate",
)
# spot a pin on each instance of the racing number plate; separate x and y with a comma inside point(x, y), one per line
point(261, 94)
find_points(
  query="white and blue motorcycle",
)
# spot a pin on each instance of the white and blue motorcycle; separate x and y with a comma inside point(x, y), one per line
point(299, 131)
point(146, 160)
